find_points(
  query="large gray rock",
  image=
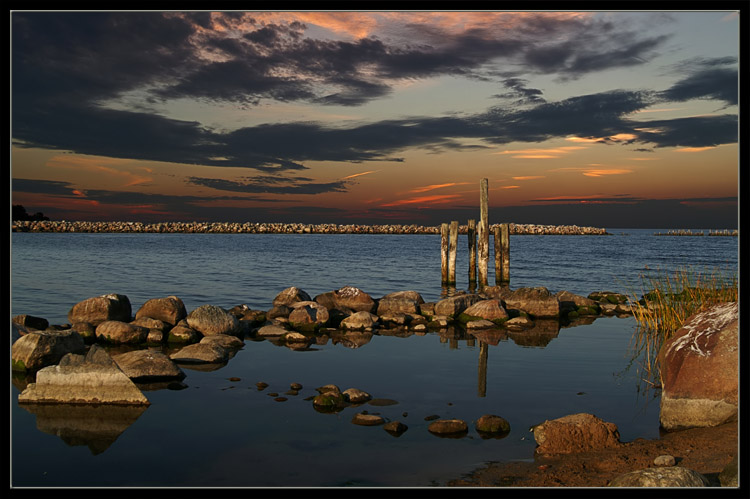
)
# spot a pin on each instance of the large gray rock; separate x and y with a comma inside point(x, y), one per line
point(170, 310)
point(538, 302)
point(575, 433)
point(146, 365)
point(699, 369)
point(39, 349)
point(210, 319)
point(675, 476)
point(110, 307)
point(121, 332)
point(90, 379)
point(400, 302)
point(454, 305)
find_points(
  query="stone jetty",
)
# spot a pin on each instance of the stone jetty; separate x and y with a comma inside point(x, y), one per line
point(279, 228)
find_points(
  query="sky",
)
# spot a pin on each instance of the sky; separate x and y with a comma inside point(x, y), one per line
point(601, 118)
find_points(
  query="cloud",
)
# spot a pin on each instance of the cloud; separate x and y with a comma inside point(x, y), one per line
point(710, 79)
point(271, 185)
point(59, 102)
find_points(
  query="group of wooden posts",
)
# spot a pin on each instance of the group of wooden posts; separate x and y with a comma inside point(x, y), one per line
point(478, 250)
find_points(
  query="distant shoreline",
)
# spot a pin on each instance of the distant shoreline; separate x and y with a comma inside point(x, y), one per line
point(279, 228)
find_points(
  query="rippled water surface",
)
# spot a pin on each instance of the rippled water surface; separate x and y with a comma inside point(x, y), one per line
point(221, 431)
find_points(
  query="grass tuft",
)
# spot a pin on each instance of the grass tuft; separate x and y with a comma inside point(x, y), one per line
point(672, 298)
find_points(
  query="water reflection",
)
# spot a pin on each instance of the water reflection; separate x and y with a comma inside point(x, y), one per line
point(95, 426)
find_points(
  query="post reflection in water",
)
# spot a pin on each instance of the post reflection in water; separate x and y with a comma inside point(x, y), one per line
point(482, 386)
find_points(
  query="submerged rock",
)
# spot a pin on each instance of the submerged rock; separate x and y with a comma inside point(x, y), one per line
point(452, 427)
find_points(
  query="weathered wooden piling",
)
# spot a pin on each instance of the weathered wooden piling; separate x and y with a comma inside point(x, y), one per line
point(444, 231)
point(471, 231)
point(505, 253)
point(452, 245)
point(502, 254)
point(483, 232)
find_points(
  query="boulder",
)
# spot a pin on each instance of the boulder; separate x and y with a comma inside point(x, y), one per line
point(271, 330)
point(575, 433)
point(201, 353)
point(39, 349)
point(346, 299)
point(675, 476)
point(359, 320)
point(182, 333)
point(90, 379)
point(395, 428)
point(356, 396)
point(152, 324)
point(308, 316)
point(30, 322)
point(363, 419)
point(492, 425)
point(400, 302)
point(490, 310)
point(170, 310)
point(86, 330)
point(480, 324)
point(101, 308)
point(210, 319)
point(448, 427)
point(290, 295)
point(227, 341)
point(570, 302)
point(278, 311)
point(147, 365)
point(121, 332)
point(454, 305)
point(699, 369)
point(538, 302)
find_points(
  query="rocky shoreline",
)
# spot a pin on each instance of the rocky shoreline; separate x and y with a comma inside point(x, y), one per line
point(82, 362)
point(278, 228)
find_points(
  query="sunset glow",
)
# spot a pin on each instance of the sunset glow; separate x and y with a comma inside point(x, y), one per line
point(367, 117)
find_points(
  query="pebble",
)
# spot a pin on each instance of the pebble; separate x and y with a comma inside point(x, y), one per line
point(665, 460)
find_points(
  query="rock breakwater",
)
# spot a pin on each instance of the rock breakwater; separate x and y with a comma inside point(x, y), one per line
point(278, 228)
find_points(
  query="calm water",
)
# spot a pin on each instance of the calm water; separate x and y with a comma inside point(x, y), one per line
point(219, 432)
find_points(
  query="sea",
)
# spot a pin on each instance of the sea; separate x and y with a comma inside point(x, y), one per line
point(218, 429)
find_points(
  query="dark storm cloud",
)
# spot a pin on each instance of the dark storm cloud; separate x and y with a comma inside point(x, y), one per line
point(707, 79)
point(66, 65)
point(271, 185)
point(51, 187)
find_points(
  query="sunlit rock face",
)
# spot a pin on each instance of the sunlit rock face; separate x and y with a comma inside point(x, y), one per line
point(699, 369)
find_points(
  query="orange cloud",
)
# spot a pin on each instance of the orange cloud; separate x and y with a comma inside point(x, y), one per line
point(695, 149)
point(98, 165)
point(436, 186)
point(549, 153)
point(425, 200)
point(529, 177)
point(601, 173)
point(359, 174)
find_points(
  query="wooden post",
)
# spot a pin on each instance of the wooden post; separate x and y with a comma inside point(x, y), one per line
point(483, 232)
point(498, 252)
point(444, 253)
point(505, 253)
point(472, 233)
point(452, 245)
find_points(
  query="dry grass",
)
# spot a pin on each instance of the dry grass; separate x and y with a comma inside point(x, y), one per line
point(672, 298)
